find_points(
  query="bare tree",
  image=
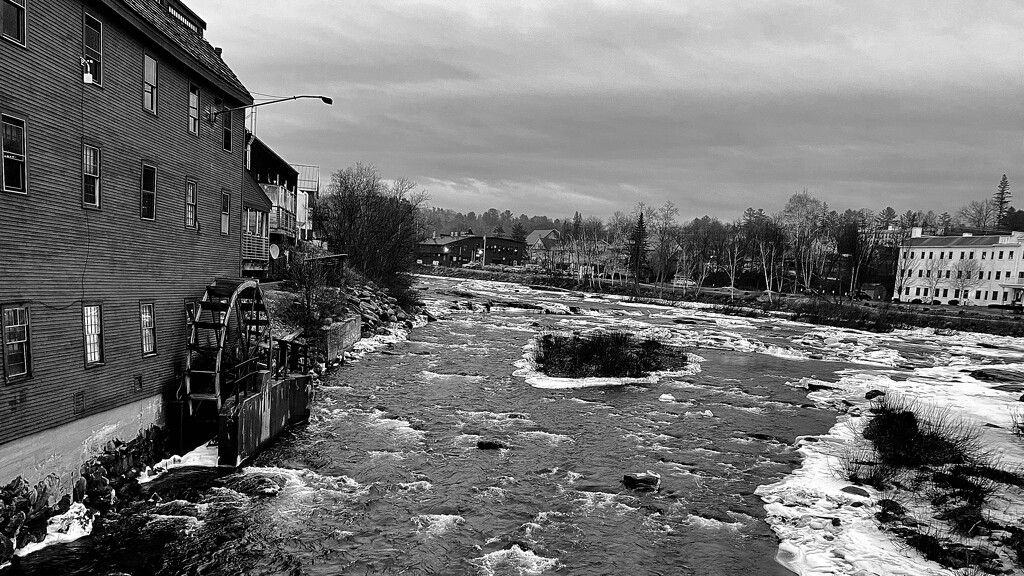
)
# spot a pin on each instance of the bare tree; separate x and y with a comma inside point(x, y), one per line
point(965, 275)
point(377, 223)
point(978, 214)
point(933, 275)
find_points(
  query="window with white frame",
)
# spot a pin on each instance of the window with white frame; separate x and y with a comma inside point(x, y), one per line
point(91, 176)
point(225, 212)
point(92, 329)
point(149, 83)
point(12, 146)
point(147, 194)
point(16, 347)
point(191, 203)
point(12, 21)
point(92, 48)
point(148, 324)
point(193, 109)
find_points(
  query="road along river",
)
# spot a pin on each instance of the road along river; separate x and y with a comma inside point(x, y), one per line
point(387, 477)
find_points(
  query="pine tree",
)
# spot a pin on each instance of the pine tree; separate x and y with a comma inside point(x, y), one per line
point(1001, 200)
point(637, 249)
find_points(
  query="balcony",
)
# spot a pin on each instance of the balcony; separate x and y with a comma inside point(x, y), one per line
point(282, 222)
point(255, 250)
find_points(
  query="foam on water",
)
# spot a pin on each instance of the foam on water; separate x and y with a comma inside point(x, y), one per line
point(417, 486)
point(515, 561)
point(436, 524)
point(67, 527)
point(547, 437)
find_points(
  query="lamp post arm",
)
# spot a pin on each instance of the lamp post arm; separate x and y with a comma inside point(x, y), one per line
point(325, 99)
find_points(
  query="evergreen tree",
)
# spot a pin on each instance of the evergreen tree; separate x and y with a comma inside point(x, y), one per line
point(637, 249)
point(1001, 200)
point(519, 232)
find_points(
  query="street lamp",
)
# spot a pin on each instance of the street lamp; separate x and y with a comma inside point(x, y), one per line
point(325, 99)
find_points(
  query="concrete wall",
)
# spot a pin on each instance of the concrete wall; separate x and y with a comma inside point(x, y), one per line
point(63, 450)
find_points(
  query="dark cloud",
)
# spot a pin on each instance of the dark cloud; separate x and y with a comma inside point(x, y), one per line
point(592, 106)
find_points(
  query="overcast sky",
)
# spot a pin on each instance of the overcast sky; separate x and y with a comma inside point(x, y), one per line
point(548, 107)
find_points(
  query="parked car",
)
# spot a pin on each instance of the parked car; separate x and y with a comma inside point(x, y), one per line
point(471, 265)
point(681, 282)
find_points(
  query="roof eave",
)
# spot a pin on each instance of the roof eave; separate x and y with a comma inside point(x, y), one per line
point(241, 97)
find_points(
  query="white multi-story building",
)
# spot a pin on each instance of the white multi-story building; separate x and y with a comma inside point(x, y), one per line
point(972, 270)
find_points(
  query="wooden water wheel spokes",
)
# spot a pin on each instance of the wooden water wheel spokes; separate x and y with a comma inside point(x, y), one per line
point(228, 340)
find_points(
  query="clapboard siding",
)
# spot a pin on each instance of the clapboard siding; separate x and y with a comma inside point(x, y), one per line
point(56, 254)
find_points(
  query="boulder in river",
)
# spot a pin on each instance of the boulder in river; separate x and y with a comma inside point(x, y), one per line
point(490, 444)
point(872, 394)
point(997, 375)
point(644, 481)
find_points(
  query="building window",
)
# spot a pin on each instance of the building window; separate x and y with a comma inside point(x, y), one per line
point(928, 274)
point(983, 255)
point(91, 176)
point(193, 109)
point(149, 84)
point(148, 324)
point(92, 48)
point(986, 294)
point(227, 130)
point(981, 275)
point(1005, 295)
point(930, 255)
point(990, 275)
point(959, 273)
point(190, 203)
point(911, 255)
point(947, 273)
point(1020, 274)
point(961, 255)
point(977, 294)
point(908, 291)
point(16, 357)
point(13, 20)
point(972, 256)
point(917, 291)
point(147, 198)
point(1010, 256)
point(920, 273)
point(13, 148)
point(92, 321)
point(945, 292)
point(1000, 254)
point(997, 274)
point(925, 291)
point(225, 212)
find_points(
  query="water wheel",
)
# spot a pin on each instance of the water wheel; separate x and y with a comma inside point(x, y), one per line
point(228, 337)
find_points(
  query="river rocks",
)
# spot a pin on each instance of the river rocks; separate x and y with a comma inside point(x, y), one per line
point(6, 550)
point(642, 481)
point(491, 444)
point(997, 375)
point(256, 483)
point(856, 491)
point(872, 394)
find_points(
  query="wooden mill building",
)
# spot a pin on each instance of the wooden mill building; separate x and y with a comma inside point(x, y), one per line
point(120, 197)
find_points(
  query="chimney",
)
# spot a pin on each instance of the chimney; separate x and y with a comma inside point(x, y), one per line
point(915, 232)
point(218, 51)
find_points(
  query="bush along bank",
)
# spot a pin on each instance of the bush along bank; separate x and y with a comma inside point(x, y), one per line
point(943, 493)
point(106, 481)
point(375, 308)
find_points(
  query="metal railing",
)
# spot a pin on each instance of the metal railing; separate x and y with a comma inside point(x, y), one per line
point(282, 220)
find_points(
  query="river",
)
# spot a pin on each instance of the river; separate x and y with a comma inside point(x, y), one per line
point(387, 477)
